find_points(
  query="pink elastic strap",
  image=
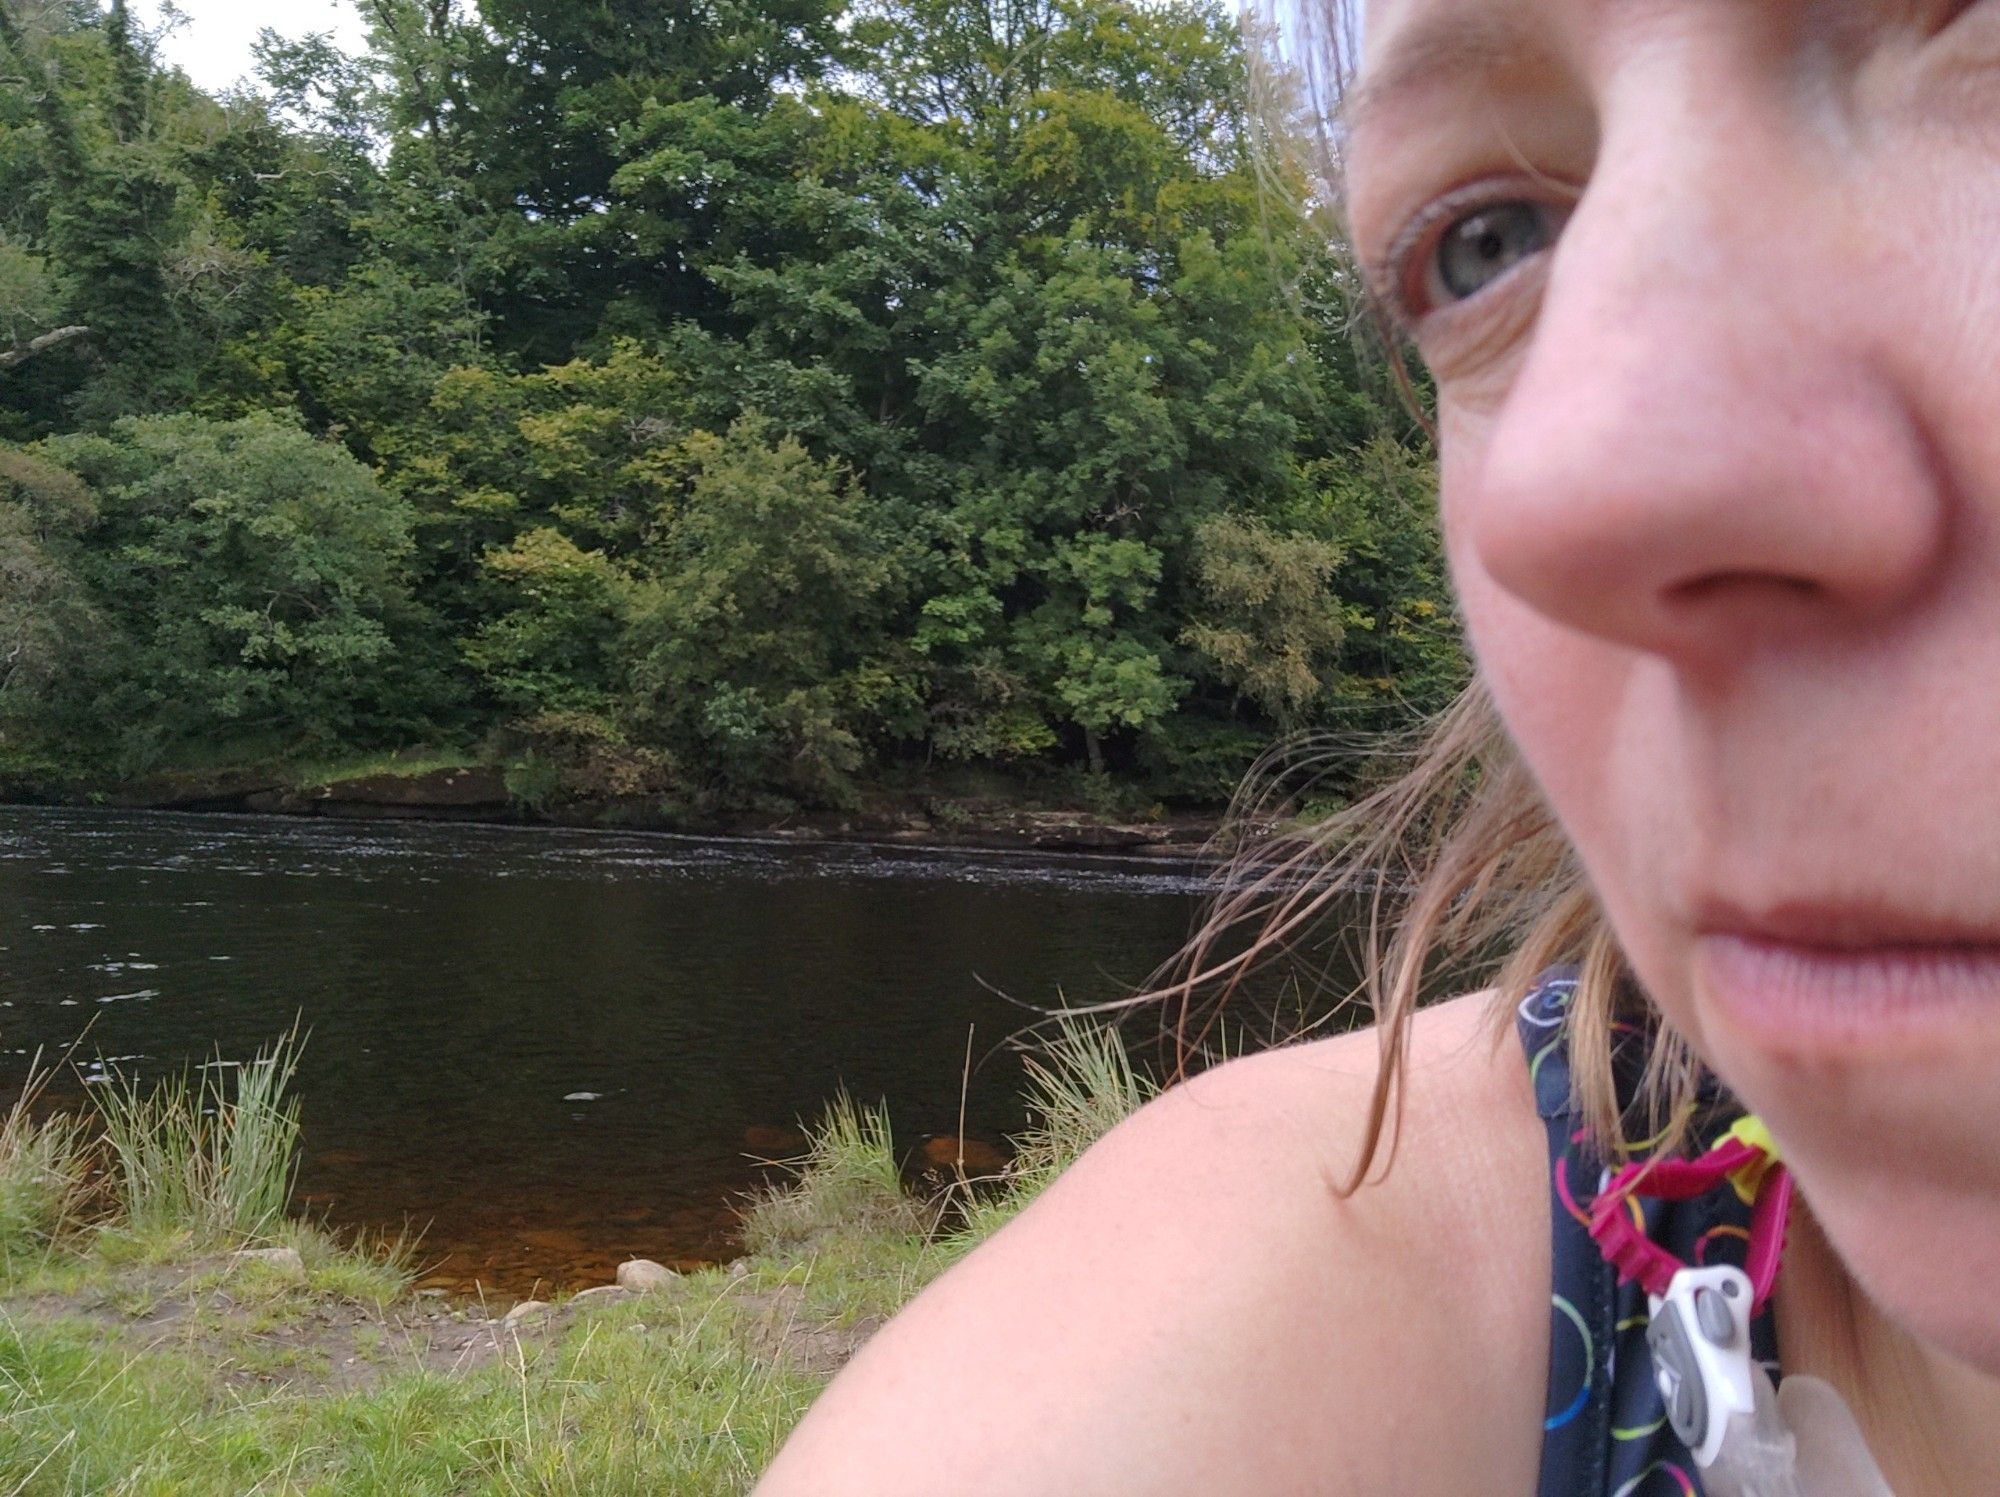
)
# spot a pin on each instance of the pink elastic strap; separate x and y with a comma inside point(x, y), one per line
point(1640, 1260)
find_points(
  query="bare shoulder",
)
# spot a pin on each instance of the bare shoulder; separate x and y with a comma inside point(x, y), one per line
point(1196, 1307)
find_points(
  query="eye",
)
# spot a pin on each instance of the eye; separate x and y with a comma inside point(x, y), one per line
point(1480, 248)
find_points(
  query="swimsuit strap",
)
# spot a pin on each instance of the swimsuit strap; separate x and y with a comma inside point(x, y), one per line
point(1606, 1432)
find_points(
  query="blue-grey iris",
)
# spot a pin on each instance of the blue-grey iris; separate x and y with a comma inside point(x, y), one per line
point(1481, 247)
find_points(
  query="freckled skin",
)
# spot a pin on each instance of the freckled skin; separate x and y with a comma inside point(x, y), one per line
point(1721, 488)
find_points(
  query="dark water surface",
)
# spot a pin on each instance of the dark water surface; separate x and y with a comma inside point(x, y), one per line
point(553, 1050)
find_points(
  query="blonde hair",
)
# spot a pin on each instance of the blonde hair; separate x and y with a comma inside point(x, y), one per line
point(1460, 868)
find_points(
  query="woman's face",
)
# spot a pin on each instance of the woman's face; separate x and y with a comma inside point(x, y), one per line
point(1711, 290)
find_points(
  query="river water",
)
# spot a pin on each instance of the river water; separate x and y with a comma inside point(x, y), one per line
point(552, 1050)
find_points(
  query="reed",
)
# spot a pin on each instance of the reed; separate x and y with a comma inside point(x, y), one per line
point(43, 1170)
point(196, 1157)
point(847, 1184)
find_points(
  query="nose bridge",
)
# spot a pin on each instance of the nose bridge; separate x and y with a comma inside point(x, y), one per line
point(1697, 420)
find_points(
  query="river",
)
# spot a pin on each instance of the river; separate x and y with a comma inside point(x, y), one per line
point(551, 1050)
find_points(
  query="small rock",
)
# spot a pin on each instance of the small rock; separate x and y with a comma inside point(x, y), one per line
point(739, 1269)
point(601, 1295)
point(767, 1142)
point(280, 1260)
point(643, 1275)
point(970, 1154)
point(527, 1310)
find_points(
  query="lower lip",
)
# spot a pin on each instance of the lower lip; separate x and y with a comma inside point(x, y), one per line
point(1829, 998)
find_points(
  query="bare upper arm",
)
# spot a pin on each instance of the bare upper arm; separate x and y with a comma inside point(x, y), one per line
point(1194, 1307)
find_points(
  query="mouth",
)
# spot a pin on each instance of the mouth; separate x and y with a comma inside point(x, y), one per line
point(1825, 979)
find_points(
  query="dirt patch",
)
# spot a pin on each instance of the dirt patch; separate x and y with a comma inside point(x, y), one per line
point(779, 1330)
point(257, 1335)
point(296, 1340)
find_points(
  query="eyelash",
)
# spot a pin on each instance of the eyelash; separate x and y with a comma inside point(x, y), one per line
point(1394, 273)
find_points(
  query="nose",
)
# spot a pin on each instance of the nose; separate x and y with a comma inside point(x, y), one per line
point(1699, 445)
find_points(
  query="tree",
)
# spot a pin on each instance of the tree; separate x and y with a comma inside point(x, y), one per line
point(255, 580)
point(1273, 626)
point(775, 395)
point(44, 626)
point(759, 644)
point(553, 648)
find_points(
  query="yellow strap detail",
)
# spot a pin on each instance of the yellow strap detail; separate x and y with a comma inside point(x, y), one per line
point(1748, 1180)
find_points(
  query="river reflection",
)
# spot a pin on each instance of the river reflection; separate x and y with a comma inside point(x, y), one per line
point(552, 1050)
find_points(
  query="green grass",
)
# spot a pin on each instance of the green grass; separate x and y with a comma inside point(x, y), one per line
point(1081, 1085)
point(847, 1185)
point(225, 1379)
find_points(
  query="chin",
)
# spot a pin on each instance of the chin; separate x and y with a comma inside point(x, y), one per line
point(1894, 1137)
point(1927, 1260)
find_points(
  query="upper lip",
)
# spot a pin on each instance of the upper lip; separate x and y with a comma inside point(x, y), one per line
point(1844, 925)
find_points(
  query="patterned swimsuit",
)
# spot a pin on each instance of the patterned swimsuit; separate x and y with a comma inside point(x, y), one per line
point(1607, 1431)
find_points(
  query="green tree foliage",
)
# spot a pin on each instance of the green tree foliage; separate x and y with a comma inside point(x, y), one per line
point(250, 579)
point(1266, 628)
point(552, 645)
point(758, 397)
point(761, 648)
point(44, 626)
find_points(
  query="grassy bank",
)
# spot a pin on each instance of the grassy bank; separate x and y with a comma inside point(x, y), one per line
point(140, 1352)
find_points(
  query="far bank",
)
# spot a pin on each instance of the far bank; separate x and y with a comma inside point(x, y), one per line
point(941, 811)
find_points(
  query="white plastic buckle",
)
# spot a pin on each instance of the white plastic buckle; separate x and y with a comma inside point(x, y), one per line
point(1720, 1402)
point(1700, 1338)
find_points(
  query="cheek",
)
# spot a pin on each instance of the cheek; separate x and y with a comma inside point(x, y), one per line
point(1585, 715)
point(1558, 691)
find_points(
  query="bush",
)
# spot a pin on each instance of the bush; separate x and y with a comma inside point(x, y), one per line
point(559, 758)
point(251, 584)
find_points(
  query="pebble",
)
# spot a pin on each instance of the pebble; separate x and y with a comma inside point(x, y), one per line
point(643, 1275)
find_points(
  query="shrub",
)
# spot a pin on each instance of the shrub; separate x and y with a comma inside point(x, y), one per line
point(560, 757)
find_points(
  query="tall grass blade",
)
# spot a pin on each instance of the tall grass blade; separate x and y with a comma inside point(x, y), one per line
point(201, 1158)
point(42, 1170)
point(847, 1184)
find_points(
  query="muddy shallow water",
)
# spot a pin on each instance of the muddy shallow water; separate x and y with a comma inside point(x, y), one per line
point(553, 1050)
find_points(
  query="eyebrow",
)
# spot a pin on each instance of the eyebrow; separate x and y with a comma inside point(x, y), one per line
point(1433, 53)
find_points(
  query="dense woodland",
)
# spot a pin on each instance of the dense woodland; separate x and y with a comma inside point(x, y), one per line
point(742, 402)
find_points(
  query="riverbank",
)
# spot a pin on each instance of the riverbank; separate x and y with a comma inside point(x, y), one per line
point(927, 811)
point(163, 1360)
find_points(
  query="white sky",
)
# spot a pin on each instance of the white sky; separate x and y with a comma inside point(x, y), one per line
point(213, 46)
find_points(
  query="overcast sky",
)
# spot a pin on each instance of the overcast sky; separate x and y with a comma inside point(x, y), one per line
point(213, 47)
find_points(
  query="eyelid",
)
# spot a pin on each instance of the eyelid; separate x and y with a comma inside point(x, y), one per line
point(1392, 274)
